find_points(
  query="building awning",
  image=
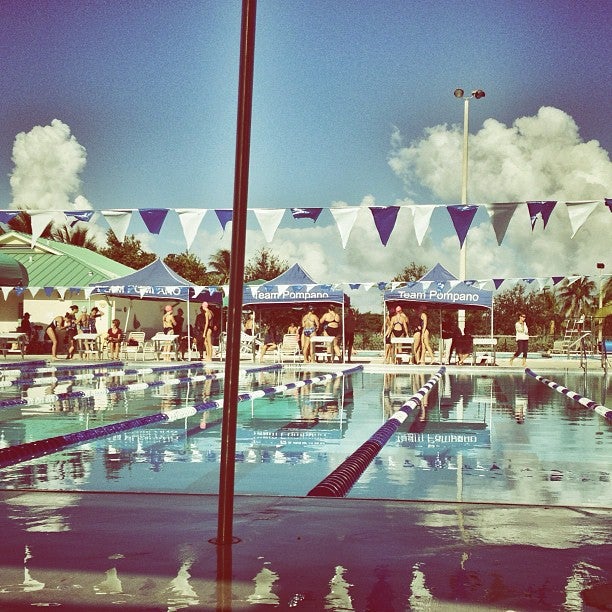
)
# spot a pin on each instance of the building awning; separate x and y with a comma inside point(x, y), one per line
point(12, 273)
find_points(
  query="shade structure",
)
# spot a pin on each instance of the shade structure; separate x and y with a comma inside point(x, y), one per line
point(12, 273)
point(157, 282)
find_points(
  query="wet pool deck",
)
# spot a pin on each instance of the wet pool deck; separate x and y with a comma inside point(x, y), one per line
point(91, 551)
point(152, 552)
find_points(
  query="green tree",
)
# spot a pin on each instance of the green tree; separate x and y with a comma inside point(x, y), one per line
point(219, 267)
point(129, 252)
point(411, 273)
point(78, 236)
point(265, 265)
point(506, 307)
point(577, 298)
point(189, 266)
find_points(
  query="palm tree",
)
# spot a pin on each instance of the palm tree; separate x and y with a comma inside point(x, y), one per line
point(578, 297)
point(219, 267)
point(77, 236)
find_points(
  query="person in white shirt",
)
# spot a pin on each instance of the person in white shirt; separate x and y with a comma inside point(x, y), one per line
point(522, 338)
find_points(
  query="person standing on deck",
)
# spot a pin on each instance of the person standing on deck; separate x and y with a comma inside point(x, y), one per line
point(522, 339)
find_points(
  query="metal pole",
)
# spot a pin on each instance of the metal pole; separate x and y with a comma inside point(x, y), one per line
point(232, 362)
point(464, 181)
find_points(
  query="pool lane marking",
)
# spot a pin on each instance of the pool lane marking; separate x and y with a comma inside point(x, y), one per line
point(138, 386)
point(46, 380)
point(104, 366)
point(606, 413)
point(39, 448)
point(43, 380)
point(19, 365)
point(339, 482)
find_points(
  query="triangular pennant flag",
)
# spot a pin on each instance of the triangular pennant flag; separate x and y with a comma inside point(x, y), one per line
point(153, 218)
point(88, 291)
point(49, 291)
point(190, 219)
point(497, 282)
point(269, 219)
point(21, 290)
point(40, 220)
point(384, 219)
point(556, 279)
point(34, 291)
point(454, 283)
point(540, 209)
point(345, 220)
point(578, 213)
point(224, 216)
point(368, 286)
point(7, 215)
point(421, 214)
point(528, 280)
point(607, 201)
point(541, 283)
point(306, 213)
point(462, 217)
point(427, 285)
point(5, 292)
point(72, 216)
point(118, 221)
point(354, 285)
point(501, 214)
point(62, 292)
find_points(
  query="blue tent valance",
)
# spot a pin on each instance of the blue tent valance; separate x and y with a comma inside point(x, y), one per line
point(440, 288)
point(294, 286)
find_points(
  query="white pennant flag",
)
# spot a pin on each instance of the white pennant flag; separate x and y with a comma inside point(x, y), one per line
point(191, 220)
point(88, 291)
point(422, 216)
point(34, 291)
point(61, 291)
point(269, 219)
point(578, 213)
point(41, 219)
point(118, 220)
point(345, 220)
point(6, 291)
point(501, 214)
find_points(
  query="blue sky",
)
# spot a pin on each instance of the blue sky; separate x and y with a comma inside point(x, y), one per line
point(148, 89)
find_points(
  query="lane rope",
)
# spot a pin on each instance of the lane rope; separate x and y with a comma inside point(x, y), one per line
point(606, 413)
point(39, 448)
point(339, 482)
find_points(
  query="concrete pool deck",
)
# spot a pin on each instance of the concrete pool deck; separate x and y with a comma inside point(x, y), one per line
point(96, 551)
point(152, 552)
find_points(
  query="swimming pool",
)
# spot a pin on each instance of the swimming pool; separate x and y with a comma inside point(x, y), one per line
point(479, 437)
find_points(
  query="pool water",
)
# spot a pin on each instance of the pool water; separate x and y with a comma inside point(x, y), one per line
point(502, 438)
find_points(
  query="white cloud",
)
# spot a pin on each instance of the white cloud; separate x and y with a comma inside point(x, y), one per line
point(537, 158)
point(48, 160)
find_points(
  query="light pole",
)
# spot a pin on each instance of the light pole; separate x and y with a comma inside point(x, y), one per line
point(600, 267)
point(476, 94)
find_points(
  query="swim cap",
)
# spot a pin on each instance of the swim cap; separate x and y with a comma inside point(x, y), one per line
point(168, 308)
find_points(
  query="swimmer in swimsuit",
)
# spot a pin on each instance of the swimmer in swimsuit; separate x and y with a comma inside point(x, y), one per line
point(331, 327)
point(399, 326)
point(310, 325)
